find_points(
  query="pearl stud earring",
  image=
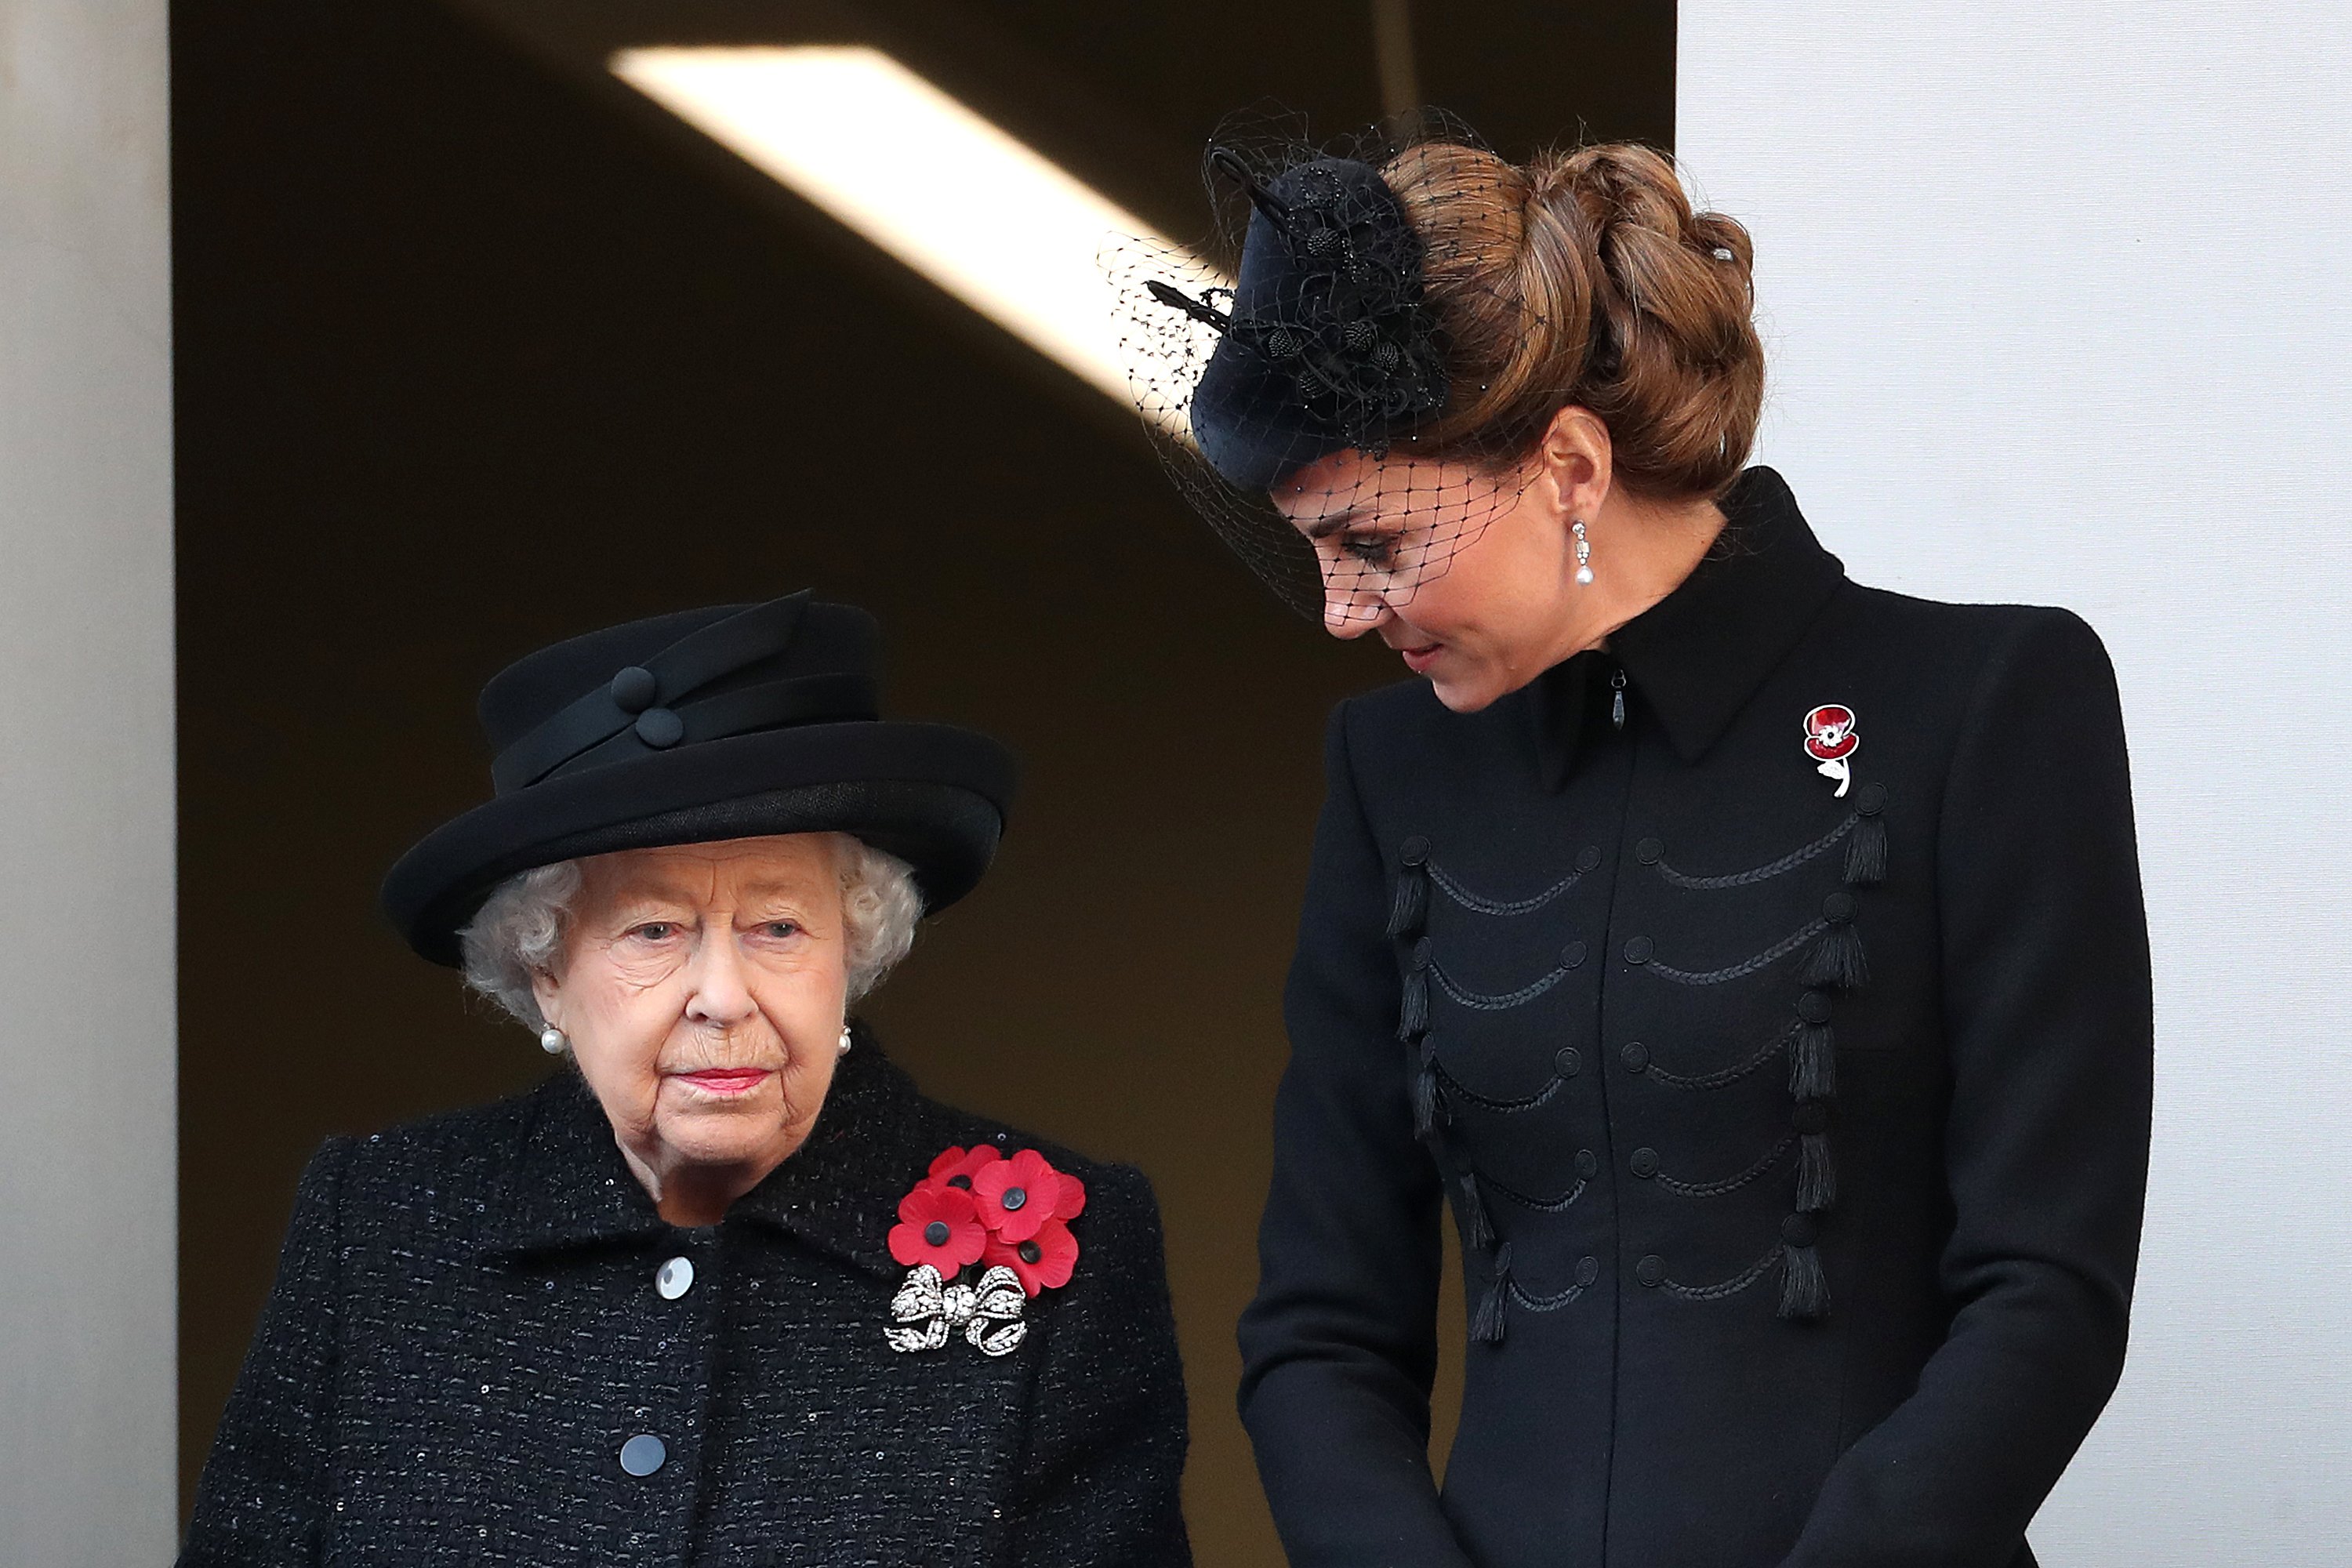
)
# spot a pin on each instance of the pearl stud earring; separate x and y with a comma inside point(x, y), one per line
point(553, 1041)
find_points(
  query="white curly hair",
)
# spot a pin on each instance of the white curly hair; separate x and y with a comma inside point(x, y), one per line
point(522, 926)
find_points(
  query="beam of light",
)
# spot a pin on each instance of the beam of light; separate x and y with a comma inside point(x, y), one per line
point(982, 214)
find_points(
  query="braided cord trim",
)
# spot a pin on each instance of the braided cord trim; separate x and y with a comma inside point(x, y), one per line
point(1478, 904)
point(1765, 873)
point(1486, 1002)
point(1769, 956)
point(1729, 1183)
point(1727, 1075)
point(1721, 1289)
point(1552, 1303)
point(1547, 1205)
point(1454, 1086)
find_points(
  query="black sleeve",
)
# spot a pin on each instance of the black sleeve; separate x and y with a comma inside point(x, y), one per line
point(1339, 1347)
point(2048, 1015)
point(1101, 1477)
point(262, 1501)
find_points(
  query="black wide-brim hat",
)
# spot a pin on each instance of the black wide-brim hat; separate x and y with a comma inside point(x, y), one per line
point(737, 721)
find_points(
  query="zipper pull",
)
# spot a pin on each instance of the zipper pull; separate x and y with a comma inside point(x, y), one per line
point(1617, 698)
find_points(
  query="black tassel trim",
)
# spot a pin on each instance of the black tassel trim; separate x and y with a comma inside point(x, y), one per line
point(1477, 1230)
point(1424, 1092)
point(1412, 1014)
point(1409, 910)
point(1487, 1327)
point(1812, 1063)
point(1837, 959)
point(1816, 1176)
point(1865, 852)
point(1804, 1293)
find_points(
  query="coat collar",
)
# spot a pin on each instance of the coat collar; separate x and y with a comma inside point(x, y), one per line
point(568, 1185)
point(1697, 656)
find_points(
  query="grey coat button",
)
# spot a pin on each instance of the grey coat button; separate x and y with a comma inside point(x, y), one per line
point(644, 1454)
point(675, 1278)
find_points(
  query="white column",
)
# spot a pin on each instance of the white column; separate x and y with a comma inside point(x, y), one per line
point(88, 1056)
point(2060, 299)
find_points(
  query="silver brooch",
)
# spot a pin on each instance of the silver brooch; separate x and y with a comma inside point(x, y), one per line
point(928, 1311)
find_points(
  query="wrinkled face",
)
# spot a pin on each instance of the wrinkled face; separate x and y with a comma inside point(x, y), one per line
point(702, 988)
point(1468, 576)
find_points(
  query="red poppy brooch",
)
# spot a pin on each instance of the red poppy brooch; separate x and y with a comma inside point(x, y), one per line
point(1011, 1218)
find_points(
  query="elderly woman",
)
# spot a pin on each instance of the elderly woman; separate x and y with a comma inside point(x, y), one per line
point(727, 1289)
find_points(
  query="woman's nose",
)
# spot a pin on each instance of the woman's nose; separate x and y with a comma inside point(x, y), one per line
point(1348, 615)
point(717, 992)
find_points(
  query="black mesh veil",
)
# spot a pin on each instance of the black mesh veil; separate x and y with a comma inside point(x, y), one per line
point(1297, 376)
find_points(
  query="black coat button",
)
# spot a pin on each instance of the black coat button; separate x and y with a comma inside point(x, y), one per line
point(1811, 1117)
point(1651, 1269)
point(1648, 852)
point(634, 689)
point(1567, 1062)
point(1813, 1006)
point(1637, 949)
point(660, 729)
point(1587, 1163)
point(1838, 908)
point(1869, 799)
point(1420, 953)
point(1587, 858)
point(1414, 851)
point(1571, 955)
point(1636, 1056)
point(1644, 1164)
point(1798, 1230)
point(1588, 1269)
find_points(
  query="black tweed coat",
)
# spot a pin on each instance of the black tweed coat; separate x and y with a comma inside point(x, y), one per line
point(1791, 1102)
point(467, 1330)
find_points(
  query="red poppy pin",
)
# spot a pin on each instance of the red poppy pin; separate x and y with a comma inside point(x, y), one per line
point(1009, 1215)
point(1830, 740)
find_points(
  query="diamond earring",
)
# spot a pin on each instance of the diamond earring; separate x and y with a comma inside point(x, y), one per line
point(1583, 554)
point(553, 1041)
point(845, 1039)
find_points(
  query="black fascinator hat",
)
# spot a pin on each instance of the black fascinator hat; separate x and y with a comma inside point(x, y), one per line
point(1324, 336)
point(735, 722)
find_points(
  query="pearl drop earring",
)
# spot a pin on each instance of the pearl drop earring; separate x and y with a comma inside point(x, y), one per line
point(845, 1039)
point(1583, 554)
point(553, 1041)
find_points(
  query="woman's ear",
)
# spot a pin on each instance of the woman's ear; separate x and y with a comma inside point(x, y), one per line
point(1574, 458)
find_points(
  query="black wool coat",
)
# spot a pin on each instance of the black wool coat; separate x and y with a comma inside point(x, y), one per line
point(1795, 1124)
point(467, 1330)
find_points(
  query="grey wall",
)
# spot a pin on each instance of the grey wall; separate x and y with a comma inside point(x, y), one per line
point(2055, 292)
point(86, 923)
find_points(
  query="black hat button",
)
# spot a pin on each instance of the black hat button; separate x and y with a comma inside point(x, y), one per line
point(1571, 955)
point(1838, 908)
point(1638, 949)
point(1649, 851)
point(1567, 1062)
point(1869, 799)
point(634, 689)
point(1798, 1230)
point(660, 729)
point(1811, 1117)
point(1414, 851)
point(1644, 1164)
point(1813, 1006)
point(1651, 1270)
point(1587, 858)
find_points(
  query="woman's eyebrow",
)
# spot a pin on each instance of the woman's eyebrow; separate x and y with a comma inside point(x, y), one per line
point(1323, 527)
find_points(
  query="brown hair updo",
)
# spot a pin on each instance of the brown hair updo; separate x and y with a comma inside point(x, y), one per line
point(1586, 278)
